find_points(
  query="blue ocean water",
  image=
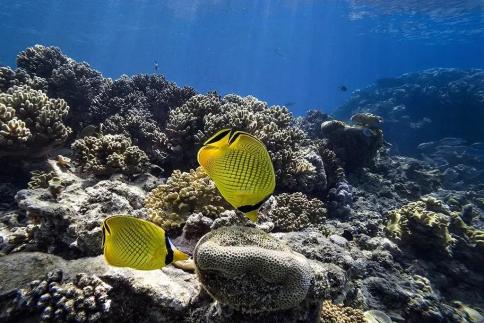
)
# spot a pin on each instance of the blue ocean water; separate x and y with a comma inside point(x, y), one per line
point(293, 52)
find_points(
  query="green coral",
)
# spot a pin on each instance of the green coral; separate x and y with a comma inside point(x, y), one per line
point(31, 123)
point(170, 204)
point(109, 154)
point(297, 163)
point(251, 271)
point(423, 222)
point(294, 212)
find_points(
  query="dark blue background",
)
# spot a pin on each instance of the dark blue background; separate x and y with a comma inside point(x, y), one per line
point(283, 51)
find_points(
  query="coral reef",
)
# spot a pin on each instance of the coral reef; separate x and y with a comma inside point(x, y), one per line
point(413, 106)
point(75, 82)
point(333, 313)
point(355, 146)
point(296, 161)
point(142, 92)
point(251, 272)
point(294, 212)
point(109, 154)
point(31, 124)
point(170, 204)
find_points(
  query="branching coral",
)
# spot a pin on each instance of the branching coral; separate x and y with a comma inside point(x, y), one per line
point(151, 93)
point(251, 271)
point(109, 154)
point(9, 78)
point(170, 204)
point(335, 313)
point(293, 212)
point(75, 82)
point(85, 299)
point(142, 129)
point(296, 161)
point(30, 122)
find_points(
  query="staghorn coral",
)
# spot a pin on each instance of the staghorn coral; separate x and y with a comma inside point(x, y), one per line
point(31, 123)
point(170, 204)
point(250, 271)
point(297, 164)
point(336, 313)
point(294, 212)
point(85, 299)
point(109, 154)
point(419, 221)
point(139, 125)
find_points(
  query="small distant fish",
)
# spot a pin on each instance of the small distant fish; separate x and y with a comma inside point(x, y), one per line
point(343, 88)
point(289, 104)
point(138, 244)
point(155, 66)
point(279, 52)
point(241, 169)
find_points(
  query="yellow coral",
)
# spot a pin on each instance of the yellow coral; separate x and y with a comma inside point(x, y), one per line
point(170, 204)
point(335, 313)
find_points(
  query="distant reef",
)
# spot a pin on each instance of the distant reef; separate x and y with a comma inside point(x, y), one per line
point(352, 233)
point(424, 106)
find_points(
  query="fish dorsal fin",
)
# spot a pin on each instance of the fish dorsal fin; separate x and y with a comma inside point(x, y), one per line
point(219, 138)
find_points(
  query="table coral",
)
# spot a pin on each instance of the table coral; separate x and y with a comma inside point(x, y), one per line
point(247, 269)
point(109, 154)
point(184, 193)
point(31, 123)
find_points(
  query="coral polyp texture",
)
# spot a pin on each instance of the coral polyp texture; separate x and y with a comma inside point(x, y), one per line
point(335, 313)
point(109, 154)
point(297, 163)
point(31, 124)
point(251, 271)
point(184, 193)
point(295, 211)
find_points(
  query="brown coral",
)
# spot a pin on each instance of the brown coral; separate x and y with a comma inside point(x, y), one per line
point(109, 154)
point(184, 193)
point(336, 313)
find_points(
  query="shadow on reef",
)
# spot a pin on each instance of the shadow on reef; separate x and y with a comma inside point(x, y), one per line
point(351, 234)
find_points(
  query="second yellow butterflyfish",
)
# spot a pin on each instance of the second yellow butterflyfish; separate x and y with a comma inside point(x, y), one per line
point(138, 244)
point(241, 169)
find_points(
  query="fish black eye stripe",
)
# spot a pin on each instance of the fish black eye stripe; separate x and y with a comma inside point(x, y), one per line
point(218, 136)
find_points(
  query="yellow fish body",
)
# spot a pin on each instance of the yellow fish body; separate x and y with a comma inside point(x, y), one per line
point(241, 169)
point(138, 244)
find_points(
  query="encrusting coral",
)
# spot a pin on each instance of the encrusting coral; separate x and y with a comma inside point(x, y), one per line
point(335, 313)
point(250, 271)
point(31, 123)
point(419, 221)
point(297, 163)
point(85, 299)
point(109, 154)
point(294, 212)
point(184, 193)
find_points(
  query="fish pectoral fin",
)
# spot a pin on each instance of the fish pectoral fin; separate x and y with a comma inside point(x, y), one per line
point(179, 255)
point(252, 215)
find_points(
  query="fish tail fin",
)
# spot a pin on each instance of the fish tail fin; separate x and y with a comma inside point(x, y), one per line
point(252, 215)
point(179, 255)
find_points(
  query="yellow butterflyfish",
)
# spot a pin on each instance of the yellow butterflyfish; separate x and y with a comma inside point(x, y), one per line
point(138, 244)
point(241, 169)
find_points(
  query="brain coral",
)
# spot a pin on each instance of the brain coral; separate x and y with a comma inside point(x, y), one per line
point(296, 161)
point(170, 204)
point(251, 271)
point(293, 212)
point(109, 154)
point(31, 123)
